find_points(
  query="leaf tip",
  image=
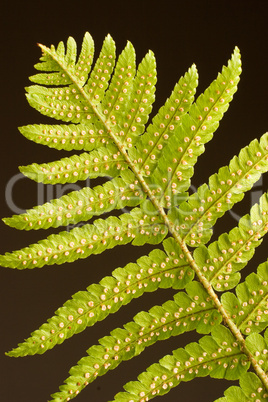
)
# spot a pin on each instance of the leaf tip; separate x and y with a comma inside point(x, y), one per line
point(4, 261)
point(42, 47)
point(13, 353)
point(6, 221)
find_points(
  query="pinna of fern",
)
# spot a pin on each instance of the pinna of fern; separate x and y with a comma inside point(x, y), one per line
point(105, 111)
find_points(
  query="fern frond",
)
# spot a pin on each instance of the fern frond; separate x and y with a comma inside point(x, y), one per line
point(159, 269)
point(77, 102)
point(165, 123)
point(222, 260)
point(136, 227)
point(79, 206)
point(175, 166)
point(98, 163)
point(217, 356)
point(251, 388)
point(105, 110)
point(195, 217)
point(68, 137)
point(249, 307)
point(187, 312)
point(55, 62)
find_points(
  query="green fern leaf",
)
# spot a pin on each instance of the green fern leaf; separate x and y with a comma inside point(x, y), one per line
point(135, 227)
point(251, 388)
point(160, 269)
point(222, 260)
point(79, 206)
point(196, 360)
point(44, 100)
point(140, 106)
point(101, 73)
point(195, 217)
point(175, 166)
point(165, 123)
point(257, 345)
point(57, 74)
point(105, 110)
point(99, 163)
point(249, 307)
point(171, 319)
point(119, 92)
point(67, 103)
point(67, 137)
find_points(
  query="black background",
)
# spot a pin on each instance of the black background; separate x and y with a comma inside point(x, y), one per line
point(180, 33)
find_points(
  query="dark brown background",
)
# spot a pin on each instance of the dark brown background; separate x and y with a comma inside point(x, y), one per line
point(180, 33)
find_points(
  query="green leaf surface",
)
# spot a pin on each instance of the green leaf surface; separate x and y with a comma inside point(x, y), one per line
point(195, 360)
point(119, 93)
point(104, 162)
point(175, 166)
point(55, 62)
point(251, 390)
point(136, 227)
point(160, 269)
point(140, 104)
point(67, 137)
point(77, 102)
point(105, 110)
point(195, 217)
point(81, 205)
point(257, 345)
point(221, 260)
point(161, 322)
point(249, 307)
point(99, 78)
point(165, 123)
